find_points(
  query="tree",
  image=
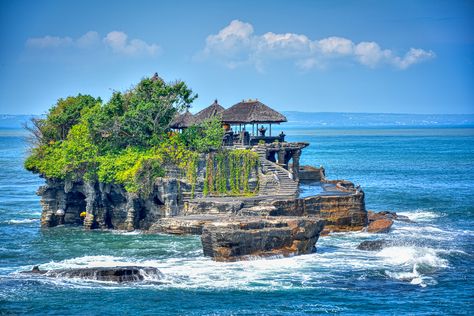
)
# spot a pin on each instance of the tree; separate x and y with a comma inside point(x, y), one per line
point(205, 136)
point(140, 116)
point(60, 119)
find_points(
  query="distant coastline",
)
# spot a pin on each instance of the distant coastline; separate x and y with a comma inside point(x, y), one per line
point(304, 120)
point(347, 119)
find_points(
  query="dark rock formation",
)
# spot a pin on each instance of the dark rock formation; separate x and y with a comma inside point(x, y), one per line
point(243, 237)
point(107, 205)
point(111, 274)
point(373, 245)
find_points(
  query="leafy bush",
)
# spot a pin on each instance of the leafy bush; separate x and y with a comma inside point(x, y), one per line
point(205, 136)
point(61, 118)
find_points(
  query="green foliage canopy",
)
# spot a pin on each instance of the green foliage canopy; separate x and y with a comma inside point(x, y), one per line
point(128, 140)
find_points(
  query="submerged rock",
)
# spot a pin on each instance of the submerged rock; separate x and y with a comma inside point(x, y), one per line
point(243, 238)
point(373, 245)
point(111, 274)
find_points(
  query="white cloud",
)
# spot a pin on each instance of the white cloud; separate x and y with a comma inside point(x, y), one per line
point(117, 41)
point(335, 45)
point(413, 56)
point(120, 44)
point(90, 39)
point(237, 44)
point(49, 41)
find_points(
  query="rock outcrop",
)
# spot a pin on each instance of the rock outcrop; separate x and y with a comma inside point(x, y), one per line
point(245, 237)
point(372, 216)
point(110, 274)
point(382, 222)
point(373, 245)
point(107, 206)
point(380, 226)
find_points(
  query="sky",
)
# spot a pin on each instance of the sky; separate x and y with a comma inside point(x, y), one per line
point(318, 56)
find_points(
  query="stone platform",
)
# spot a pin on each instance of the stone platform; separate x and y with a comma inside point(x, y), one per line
point(247, 237)
point(230, 238)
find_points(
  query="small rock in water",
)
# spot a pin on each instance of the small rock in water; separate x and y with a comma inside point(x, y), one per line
point(111, 274)
point(372, 245)
point(372, 216)
point(380, 226)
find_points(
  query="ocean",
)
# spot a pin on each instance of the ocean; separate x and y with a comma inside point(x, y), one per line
point(424, 173)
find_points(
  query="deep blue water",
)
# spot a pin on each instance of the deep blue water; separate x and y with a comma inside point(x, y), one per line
point(426, 174)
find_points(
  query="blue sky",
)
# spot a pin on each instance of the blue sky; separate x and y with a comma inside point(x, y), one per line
point(319, 56)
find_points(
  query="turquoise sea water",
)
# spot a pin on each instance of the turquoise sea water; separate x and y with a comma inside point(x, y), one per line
point(426, 174)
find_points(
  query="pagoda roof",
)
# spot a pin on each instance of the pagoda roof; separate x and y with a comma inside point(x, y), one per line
point(211, 111)
point(252, 111)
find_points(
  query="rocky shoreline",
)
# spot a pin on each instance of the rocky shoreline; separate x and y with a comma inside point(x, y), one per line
point(274, 221)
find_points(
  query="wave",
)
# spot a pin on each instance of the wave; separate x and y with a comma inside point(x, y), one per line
point(421, 215)
point(421, 262)
point(22, 221)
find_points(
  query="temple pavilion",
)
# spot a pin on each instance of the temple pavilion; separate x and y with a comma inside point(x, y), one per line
point(248, 122)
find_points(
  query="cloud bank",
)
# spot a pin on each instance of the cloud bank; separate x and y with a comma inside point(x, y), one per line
point(116, 41)
point(237, 44)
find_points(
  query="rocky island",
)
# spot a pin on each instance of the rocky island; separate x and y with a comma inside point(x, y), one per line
point(143, 161)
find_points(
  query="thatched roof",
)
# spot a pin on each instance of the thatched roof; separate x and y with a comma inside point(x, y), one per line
point(183, 120)
point(212, 110)
point(251, 111)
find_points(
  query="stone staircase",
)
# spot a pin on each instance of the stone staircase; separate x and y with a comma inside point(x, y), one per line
point(277, 180)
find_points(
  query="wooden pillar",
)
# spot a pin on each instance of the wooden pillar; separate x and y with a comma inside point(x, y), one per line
point(270, 129)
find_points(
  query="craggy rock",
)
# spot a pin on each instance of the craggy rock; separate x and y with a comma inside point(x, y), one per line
point(184, 225)
point(106, 205)
point(342, 211)
point(111, 274)
point(380, 226)
point(213, 207)
point(310, 174)
point(372, 216)
point(244, 237)
point(373, 245)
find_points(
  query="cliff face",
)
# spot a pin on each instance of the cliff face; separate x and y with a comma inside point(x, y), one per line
point(110, 206)
point(341, 212)
point(107, 205)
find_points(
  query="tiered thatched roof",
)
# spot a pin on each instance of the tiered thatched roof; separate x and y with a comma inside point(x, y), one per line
point(251, 111)
point(213, 110)
point(182, 120)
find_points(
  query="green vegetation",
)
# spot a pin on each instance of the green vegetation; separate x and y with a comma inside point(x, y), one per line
point(128, 141)
point(125, 141)
point(228, 172)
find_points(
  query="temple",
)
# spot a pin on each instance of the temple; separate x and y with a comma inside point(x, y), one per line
point(259, 118)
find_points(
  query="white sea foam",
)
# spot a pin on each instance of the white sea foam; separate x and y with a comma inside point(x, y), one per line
point(125, 232)
point(421, 261)
point(22, 221)
point(421, 215)
point(336, 257)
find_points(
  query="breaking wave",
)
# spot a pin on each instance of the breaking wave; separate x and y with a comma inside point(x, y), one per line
point(22, 221)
